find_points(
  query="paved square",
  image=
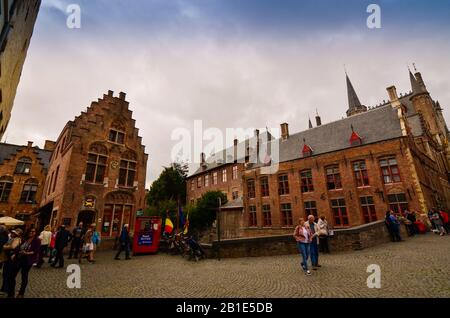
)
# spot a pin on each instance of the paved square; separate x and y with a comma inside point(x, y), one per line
point(418, 267)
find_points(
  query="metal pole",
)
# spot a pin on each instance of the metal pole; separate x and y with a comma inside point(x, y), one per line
point(218, 229)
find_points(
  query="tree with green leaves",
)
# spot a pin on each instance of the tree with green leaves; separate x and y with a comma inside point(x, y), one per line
point(203, 214)
point(168, 190)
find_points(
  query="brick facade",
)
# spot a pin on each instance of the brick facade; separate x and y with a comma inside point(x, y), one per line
point(203, 182)
point(22, 176)
point(322, 197)
point(97, 171)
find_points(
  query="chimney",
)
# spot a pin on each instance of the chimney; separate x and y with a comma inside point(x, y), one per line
point(318, 120)
point(202, 159)
point(284, 131)
point(122, 95)
point(110, 93)
point(392, 91)
point(30, 144)
point(49, 145)
point(235, 150)
point(257, 142)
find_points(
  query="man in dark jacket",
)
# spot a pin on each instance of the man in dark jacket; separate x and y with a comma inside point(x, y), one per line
point(61, 241)
point(77, 238)
point(124, 243)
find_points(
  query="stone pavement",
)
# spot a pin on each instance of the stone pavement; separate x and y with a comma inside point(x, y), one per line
point(419, 267)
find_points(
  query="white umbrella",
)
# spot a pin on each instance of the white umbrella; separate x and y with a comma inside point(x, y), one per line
point(8, 221)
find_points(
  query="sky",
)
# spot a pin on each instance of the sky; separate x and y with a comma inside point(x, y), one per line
point(229, 63)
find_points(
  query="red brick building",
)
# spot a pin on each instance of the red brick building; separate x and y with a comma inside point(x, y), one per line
point(97, 170)
point(22, 176)
point(394, 155)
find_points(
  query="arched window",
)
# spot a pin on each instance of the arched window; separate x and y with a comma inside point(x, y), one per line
point(24, 166)
point(6, 184)
point(96, 163)
point(29, 191)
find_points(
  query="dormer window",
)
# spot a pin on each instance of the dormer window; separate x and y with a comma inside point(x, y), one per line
point(116, 136)
point(355, 139)
point(23, 166)
point(307, 150)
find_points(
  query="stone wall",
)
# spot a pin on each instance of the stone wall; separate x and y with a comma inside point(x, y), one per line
point(356, 238)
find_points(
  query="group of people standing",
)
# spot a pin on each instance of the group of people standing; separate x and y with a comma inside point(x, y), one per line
point(439, 221)
point(19, 252)
point(309, 236)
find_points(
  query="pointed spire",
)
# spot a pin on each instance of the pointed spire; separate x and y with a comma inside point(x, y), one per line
point(354, 105)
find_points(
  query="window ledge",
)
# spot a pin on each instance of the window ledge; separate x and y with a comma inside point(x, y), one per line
point(364, 187)
point(336, 190)
point(94, 183)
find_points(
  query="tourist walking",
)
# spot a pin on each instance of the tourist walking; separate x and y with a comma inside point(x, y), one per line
point(45, 237)
point(314, 247)
point(77, 240)
point(25, 257)
point(124, 243)
point(323, 234)
point(88, 246)
point(393, 226)
point(10, 249)
point(61, 241)
point(302, 236)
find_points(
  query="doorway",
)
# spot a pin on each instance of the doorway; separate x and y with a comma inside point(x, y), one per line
point(87, 217)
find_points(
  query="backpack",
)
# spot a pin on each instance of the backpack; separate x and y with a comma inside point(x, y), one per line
point(96, 238)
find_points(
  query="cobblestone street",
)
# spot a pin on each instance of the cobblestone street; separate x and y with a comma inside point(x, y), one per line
point(418, 267)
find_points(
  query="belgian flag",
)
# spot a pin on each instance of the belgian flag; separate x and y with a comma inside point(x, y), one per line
point(168, 227)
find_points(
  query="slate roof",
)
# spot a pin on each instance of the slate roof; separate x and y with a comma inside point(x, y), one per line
point(8, 150)
point(375, 125)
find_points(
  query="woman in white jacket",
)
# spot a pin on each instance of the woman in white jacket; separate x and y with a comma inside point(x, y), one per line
point(45, 237)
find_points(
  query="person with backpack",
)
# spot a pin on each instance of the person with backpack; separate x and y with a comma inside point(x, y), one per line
point(88, 245)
